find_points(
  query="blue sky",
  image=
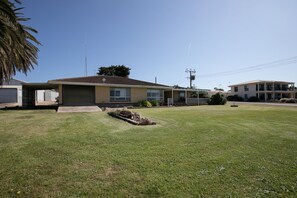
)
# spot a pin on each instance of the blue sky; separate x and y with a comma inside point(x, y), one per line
point(161, 38)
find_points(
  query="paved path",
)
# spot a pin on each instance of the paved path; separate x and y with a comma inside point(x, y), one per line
point(71, 109)
point(265, 103)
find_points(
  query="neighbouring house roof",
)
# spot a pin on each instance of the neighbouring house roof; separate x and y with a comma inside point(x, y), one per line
point(13, 81)
point(106, 81)
point(259, 81)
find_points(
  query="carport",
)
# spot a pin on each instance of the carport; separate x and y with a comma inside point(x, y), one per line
point(29, 91)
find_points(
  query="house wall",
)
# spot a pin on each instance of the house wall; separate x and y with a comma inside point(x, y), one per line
point(102, 94)
point(138, 94)
point(241, 91)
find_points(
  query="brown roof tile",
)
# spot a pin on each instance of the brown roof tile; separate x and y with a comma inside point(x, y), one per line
point(108, 80)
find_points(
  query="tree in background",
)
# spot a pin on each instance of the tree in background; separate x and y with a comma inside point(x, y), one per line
point(18, 49)
point(114, 70)
point(217, 99)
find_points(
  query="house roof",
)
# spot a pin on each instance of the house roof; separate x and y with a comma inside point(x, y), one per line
point(106, 81)
point(259, 81)
point(179, 88)
point(13, 81)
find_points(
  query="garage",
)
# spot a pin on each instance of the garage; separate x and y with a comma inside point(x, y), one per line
point(78, 95)
point(8, 95)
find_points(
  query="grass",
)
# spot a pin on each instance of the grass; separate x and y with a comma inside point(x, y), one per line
point(206, 151)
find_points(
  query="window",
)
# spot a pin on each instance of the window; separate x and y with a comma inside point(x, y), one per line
point(246, 88)
point(235, 89)
point(181, 94)
point(246, 96)
point(155, 94)
point(120, 94)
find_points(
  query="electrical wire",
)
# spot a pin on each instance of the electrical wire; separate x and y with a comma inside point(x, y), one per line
point(277, 63)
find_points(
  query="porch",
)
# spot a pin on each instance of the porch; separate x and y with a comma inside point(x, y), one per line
point(184, 96)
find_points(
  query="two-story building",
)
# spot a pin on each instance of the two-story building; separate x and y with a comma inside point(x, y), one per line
point(264, 90)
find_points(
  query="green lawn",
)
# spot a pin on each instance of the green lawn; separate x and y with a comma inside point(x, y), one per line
point(206, 151)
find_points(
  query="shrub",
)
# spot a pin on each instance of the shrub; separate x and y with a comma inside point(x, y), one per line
point(253, 99)
point(234, 98)
point(194, 95)
point(154, 103)
point(145, 103)
point(217, 99)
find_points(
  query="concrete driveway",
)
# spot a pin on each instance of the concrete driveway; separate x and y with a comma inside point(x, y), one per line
point(71, 109)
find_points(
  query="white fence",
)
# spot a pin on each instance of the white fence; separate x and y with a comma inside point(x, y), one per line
point(190, 101)
point(196, 101)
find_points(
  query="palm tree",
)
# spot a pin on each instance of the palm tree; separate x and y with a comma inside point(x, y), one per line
point(18, 47)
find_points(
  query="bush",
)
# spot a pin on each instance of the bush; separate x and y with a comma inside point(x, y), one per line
point(194, 95)
point(154, 103)
point(234, 98)
point(217, 99)
point(253, 99)
point(145, 103)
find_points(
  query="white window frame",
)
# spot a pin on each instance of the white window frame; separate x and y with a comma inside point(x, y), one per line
point(119, 94)
point(155, 95)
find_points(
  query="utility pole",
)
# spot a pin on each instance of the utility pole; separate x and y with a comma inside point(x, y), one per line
point(192, 75)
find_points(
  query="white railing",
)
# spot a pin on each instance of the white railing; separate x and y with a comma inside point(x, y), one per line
point(190, 101)
point(196, 101)
point(169, 102)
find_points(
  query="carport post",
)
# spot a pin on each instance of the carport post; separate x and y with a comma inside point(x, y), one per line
point(198, 96)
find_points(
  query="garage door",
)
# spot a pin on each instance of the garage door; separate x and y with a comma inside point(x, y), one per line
point(78, 95)
point(8, 95)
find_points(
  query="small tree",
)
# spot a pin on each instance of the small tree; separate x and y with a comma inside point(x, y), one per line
point(114, 70)
point(217, 99)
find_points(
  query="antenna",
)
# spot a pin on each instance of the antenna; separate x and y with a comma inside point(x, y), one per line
point(192, 75)
point(86, 66)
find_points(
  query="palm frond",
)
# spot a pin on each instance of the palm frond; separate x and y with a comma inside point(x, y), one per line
point(18, 47)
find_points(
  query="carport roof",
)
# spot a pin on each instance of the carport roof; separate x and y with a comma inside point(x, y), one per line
point(106, 80)
point(39, 86)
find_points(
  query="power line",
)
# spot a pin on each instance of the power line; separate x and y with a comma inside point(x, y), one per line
point(280, 62)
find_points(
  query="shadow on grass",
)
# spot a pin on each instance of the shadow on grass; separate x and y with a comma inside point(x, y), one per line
point(43, 107)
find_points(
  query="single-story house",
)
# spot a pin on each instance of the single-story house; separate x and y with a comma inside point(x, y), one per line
point(11, 92)
point(106, 91)
point(109, 91)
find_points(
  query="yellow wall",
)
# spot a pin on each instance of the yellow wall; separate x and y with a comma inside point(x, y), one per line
point(101, 94)
point(138, 94)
